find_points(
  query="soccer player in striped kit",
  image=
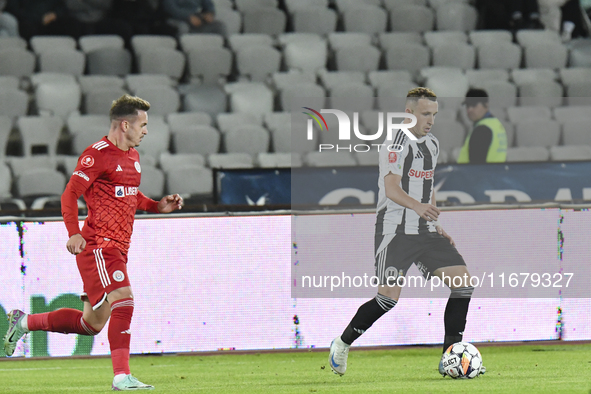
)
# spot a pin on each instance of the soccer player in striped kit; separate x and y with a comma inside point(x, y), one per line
point(408, 230)
point(108, 174)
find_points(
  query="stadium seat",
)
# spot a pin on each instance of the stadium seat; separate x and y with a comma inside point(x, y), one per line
point(435, 4)
point(223, 4)
point(527, 37)
point(456, 16)
point(283, 141)
point(481, 37)
point(199, 139)
point(166, 61)
point(210, 64)
point(51, 77)
point(440, 71)
point(576, 131)
point(547, 55)
point(580, 53)
point(369, 19)
point(454, 54)
point(230, 18)
point(537, 133)
point(293, 5)
point(434, 39)
point(504, 55)
point(279, 160)
point(282, 80)
point(291, 37)
point(258, 63)
point(329, 159)
point(138, 81)
point(351, 96)
point(13, 103)
point(394, 39)
point(169, 161)
point(77, 123)
point(63, 61)
point(380, 77)
point(82, 139)
point(5, 130)
point(450, 133)
point(570, 153)
point(58, 99)
point(230, 160)
point(245, 5)
point(582, 89)
point(17, 62)
point(40, 181)
point(412, 18)
point(316, 20)
point(390, 94)
point(99, 101)
point(305, 56)
point(477, 77)
point(20, 165)
point(277, 120)
point(370, 158)
point(364, 58)
point(231, 120)
point(152, 183)
point(254, 98)
point(371, 120)
point(163, 99)
point(251, 139)
point(547, 93)
point(109, 61)
point(529, 114)
point(266, 20)
point(40, 131)
point(92, 82)
point(345, 5)
point(5, 181)
point(330, 79)
point(157, 140)
point(190, 181)
point(525, 75)
point(529, 153)
point(197, 42)
point(92, 42)
point(41, 44)
point(185, 120)
point(574, 75)
point(211, 99)
point(502, 94)
point(392, 4)
point(342, 39)
point(148, 42)
point(240, 41)
point(414, 59)
point(13, 42)
point(9, 82)
point(448, 85)
point(571, 113)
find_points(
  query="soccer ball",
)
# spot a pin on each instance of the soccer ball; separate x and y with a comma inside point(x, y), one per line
point(462, 360)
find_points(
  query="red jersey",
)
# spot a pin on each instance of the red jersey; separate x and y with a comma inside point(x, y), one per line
point(109, 179)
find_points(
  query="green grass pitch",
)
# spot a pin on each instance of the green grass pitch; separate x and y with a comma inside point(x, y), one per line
point(536, 368)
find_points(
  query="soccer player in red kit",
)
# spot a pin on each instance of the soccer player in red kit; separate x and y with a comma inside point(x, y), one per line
point(108, 175)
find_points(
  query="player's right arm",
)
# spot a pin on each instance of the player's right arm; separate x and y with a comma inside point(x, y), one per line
point(395, 193)
point(88, 169)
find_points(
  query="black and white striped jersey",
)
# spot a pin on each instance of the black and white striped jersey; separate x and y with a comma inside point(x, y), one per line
point(416, 164)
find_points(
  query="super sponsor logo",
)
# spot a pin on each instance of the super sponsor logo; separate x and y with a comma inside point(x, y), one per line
point(421, 174)
point(81, 175)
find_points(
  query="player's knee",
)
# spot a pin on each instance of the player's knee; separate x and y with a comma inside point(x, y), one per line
point(462, 292)
point(385, 302)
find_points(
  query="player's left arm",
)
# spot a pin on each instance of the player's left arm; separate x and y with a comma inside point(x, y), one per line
point(438, 227)
point(167, 204)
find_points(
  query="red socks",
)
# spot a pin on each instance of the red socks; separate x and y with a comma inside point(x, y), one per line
point(119, 334)
point(65, 320)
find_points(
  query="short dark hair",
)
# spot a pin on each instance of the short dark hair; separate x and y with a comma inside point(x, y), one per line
point(414, 95)
point(475, 96)
point(127, 105)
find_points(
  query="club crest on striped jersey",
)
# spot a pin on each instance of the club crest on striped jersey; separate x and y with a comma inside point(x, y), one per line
point(118, 276)
point(137, 167)
point(87, 161)
point(392, 157)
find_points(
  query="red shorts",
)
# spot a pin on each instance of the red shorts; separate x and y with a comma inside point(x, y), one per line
point(102, 270)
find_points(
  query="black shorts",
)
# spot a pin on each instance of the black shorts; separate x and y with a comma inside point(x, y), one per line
point(395, 253)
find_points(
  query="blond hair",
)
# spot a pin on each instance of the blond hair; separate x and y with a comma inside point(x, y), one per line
point(414, 95)
point(127, 105)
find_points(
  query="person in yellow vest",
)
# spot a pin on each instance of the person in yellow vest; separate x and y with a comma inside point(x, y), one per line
point(487, 141)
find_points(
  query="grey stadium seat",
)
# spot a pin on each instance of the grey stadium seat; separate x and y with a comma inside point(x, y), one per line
point(476, 77)
point(317, 20)
point(82, 139)
point(363, 58)
point(138, 81)
point(576, 132)
point(537, 133)
point(526, 75)
point(77, 123)
point(63, 61)
point(412, 18)
point(527, 153)
point(163, 99)
point(451, 134)
point(254, 98)
point(258, 62)
point(415, 57)
point(5, 130)
point(200, 139)
point(51, 43)
point(436, 38)
point(20, 165)
point(5, 181)
point(157, 140)
point(89, 83)
point(352, 97)
point(390, 93)
point(240, 41)
point(231, 120)
point(342, 39)
point(230, 18)
point(547, 55)
point(294, 5)
point(392, 4)
point(41, 181)
point(231, 160)
point(40, 131)
point(245, 5)
point(210, 64)
point(186, 120)
point(13, 103)
point(541, 93)
point(501, 94)
point(282, 80)
point(396, 38)
point(17, 62)
point(449, 85)
point(163, 61)
point(455, 55)
point(530, 113)
point(481, 37)
point(169, 161)
point(91, 42)
point(152, 183)
point(197, 42)
point(570, 153)
point(377, 78)
point(369, 19)
point(9, 82)
point(147, 42)
point(190, 180)
point(279, 160)
point(456, 16)
point(13, 42)
point(211, 99)
point(251, 139)
point(344, 5)
point(51, 77)
point(99, 101)
point(502, 55)
point(572, 113)
point(582, 89)
point(271, 21)
point(330, 79)
point(574, 75)
point(109, 61)
point(527, 37)
point(58, 99)
point(580, 53)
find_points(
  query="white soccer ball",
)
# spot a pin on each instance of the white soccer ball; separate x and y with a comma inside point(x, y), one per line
point(462, 361)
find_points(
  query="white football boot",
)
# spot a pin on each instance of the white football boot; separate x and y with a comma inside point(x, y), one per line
point(337, 358)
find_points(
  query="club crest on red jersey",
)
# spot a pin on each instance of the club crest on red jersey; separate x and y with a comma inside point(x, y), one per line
point(392, 157)
point(87, 161)
point(137, 167)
